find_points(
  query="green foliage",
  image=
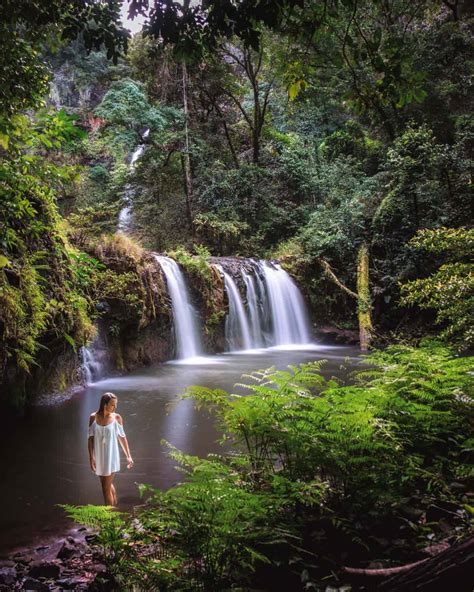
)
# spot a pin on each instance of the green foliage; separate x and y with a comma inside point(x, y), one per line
point(414, 162)
point(110, 527)
point(40, 300)
point(87, 224)
point(195, 265)
point(24, 29)
point(449, 291)
point(126, 105)
point(212, 524)
point(313, 464)
point(218, 231)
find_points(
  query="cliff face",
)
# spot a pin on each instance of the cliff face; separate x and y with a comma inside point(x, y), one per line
point(133, 318)
point(130, 307)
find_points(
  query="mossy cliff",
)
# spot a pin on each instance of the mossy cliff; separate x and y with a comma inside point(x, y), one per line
point(43, 314)
point(44, 321)
point(132, 301)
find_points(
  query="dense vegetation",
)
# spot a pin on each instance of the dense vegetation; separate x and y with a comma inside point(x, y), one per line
point(362, 136)
point(315, 133)
point(320, 475)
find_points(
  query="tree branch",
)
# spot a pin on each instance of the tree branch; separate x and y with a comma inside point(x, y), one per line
point(331, 275)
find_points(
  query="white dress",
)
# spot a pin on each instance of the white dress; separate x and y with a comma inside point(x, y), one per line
point(106, 447)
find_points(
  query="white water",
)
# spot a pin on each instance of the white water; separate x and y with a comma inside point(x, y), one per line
point(187, 341)
point(91, 367)
point(290, 322)
point(125, 214)
point(255, 314)
point(237, 330)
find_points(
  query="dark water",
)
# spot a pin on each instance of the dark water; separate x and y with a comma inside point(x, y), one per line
point(44, 456)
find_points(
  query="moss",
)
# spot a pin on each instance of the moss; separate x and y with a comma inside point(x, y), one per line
point(196, 266)
point(364, 305)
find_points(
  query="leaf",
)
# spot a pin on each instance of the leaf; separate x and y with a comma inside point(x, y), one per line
point(4, 140)
point(71, 341)
point(4, 262)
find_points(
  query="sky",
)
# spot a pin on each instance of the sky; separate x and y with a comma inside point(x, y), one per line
point(133, 26)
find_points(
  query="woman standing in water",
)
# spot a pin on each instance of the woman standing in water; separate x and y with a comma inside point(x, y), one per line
point(105, 432)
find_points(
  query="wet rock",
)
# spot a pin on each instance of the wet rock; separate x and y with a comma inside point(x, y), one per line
point(68, 549)
point(103, 582)
point(7, 576)
point(33, 584)
point(71, 583)
point(328, 334)
point(45, 569)
point(411, 513)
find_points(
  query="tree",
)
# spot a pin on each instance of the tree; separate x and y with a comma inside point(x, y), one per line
point(251, 64)
point(26, 25)
point(362, 296)
point(450, 290)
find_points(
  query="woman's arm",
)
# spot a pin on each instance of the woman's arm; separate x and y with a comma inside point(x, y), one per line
point(124, 444)
point(90, 444)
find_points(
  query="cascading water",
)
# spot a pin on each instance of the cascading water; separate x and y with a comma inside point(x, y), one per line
point(91, 367)
point(290, 322)
point(187, 340)
point(125, 214)
point(254, 310)
point(237, 330)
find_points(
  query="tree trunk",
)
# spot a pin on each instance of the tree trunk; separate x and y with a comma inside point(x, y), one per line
point(186, 158)
point(364, 306)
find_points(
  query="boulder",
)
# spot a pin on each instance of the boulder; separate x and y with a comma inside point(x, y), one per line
point(7, 576)
point(45, 569)
point(36, 585)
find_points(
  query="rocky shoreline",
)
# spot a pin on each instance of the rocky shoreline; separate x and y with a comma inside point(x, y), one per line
point(62, 563)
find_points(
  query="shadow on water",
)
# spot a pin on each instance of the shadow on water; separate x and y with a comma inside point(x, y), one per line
point(45, 460)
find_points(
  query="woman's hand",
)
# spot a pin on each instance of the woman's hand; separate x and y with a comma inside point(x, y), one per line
point(92, 463)
point(129, 462)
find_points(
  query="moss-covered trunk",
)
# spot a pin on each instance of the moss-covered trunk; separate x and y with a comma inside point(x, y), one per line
point(364, 306)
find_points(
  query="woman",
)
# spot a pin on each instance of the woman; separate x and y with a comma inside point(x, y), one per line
point(105, 432)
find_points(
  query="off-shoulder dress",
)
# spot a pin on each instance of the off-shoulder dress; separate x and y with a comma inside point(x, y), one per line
point(106, 446)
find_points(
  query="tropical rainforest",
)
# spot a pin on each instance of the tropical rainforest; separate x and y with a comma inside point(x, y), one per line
point(333, 136)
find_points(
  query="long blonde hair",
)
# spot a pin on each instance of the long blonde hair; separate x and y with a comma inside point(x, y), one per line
point(104, 400)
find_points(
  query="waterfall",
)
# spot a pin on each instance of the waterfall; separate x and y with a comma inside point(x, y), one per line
point(184, 316)
point(290, 324)
point(125, 214)
point(91, 366)
point(237, 330)
point(254, 309)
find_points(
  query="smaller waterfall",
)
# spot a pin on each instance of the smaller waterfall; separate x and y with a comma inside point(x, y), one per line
point(237, 330)
point(255, 316)
point(91, 367)
point(184, 316)
point(125, 214)
point(290, 323)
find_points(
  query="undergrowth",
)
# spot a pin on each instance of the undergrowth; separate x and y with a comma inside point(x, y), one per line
point(318, 475)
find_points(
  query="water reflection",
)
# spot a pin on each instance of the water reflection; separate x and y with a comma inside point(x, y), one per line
point(45, 460)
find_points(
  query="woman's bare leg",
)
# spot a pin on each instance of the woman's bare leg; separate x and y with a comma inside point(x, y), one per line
point(108, 490)
point(114, 493)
